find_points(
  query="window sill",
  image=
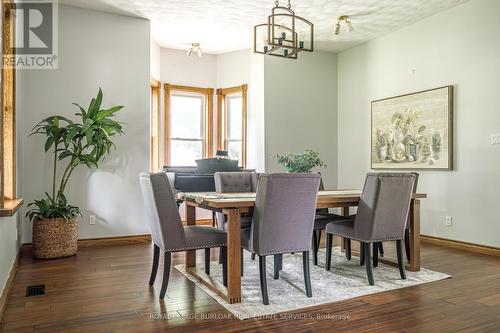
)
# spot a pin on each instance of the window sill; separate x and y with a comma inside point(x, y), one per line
point(11, 206)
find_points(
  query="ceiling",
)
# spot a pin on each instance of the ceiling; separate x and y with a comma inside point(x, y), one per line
point(222, 26)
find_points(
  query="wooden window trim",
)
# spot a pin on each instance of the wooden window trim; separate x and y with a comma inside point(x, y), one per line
point(209, 117)
point(156, 89)
point(9, 203)
point(222, 143)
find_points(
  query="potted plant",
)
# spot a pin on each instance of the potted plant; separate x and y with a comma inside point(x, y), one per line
point(300, 162)
point(381, 145)
point(83, 142)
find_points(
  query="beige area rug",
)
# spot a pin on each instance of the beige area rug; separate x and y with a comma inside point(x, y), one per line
point(347, 279)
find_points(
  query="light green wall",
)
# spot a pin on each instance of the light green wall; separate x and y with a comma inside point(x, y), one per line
point(9, 246)
point(460, 46)
point(301, 109)
point(96, 49)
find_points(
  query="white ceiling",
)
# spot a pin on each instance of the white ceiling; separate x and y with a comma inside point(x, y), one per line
point(222, 26)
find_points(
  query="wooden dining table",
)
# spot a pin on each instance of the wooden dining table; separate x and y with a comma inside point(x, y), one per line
point(234, 204)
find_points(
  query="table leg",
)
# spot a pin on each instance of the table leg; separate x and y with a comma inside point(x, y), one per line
point(345, 212)
point(415, 236)
point(190, 220)
point(233, 255)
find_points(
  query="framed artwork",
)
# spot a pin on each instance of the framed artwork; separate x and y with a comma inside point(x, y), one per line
point(413, 131)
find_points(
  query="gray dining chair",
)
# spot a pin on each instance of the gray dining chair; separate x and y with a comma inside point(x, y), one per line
point(382, 214)
point(322, 218)
point(168, 233)
point(378, 247)
point(235, 182)
point(283, 221)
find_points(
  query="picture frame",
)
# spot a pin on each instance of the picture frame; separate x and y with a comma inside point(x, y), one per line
point(413, 131)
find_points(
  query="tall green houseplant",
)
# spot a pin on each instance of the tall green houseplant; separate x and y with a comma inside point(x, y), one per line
point(84, 142)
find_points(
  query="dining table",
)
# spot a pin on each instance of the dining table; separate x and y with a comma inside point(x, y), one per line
point(235, 204)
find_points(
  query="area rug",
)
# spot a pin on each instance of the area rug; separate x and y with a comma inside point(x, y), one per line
point(345, 280)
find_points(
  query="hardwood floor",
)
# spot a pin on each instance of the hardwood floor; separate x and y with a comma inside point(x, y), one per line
point(105, 289)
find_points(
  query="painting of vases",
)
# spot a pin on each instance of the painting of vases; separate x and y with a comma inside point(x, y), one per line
point(413, 131)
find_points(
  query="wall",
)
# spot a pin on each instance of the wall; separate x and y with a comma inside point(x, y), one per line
point(95, 50)
point(9, 246)
point(155, 60)
point(245, 67)
point(301, 109)
point(459, 47)
point(177, 68)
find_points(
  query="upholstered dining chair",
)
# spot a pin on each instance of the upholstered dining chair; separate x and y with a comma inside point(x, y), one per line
point(235, 182)
point(167, 231)
point(378, 247)
point(322, 218)
point(283, 221)
point(382, 214)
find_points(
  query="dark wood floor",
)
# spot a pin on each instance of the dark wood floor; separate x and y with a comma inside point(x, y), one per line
point(104, 289)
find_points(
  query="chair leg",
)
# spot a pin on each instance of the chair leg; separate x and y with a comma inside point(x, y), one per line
point(166, 274)
point(361, 254)
point(380, 249)
point(224, 266)
point(368, 263)
point(407, 244)
point(263, 281)
point(376, 248)
point(220, 255)
point(277, 258)
point(329, 241)
point(348, 248)
point(315, 247)
point(241, 260)
point(207, 261)
point(319, 238)
point(307, 273)
point(401, 263)
point(253, 256)
point(154, 269)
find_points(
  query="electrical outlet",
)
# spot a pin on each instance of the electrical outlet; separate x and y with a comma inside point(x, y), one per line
point(448, 221)
point(495, 139)
point(92, 219)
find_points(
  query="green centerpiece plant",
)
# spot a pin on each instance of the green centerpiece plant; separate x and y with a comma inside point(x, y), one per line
point(84, 142)
point(300, 162)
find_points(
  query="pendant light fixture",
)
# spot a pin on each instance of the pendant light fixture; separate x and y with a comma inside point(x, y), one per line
point(285, 34)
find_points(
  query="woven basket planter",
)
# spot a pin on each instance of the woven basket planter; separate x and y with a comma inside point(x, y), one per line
point(55, 238)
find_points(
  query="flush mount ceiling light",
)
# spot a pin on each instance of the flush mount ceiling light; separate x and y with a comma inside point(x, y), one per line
point(343, 20)
point(284, 35)
point(196, 49)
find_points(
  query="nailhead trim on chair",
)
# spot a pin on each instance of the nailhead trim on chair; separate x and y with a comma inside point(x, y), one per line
point(289, 251)
point(366, 241)
point(195, 248)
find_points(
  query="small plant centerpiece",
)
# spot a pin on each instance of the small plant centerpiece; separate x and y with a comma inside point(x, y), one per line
point(300, 162)
point(85, 142)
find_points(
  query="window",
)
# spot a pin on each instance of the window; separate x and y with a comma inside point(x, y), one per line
point(188, 124)
point(155, 125)
point(232, 122)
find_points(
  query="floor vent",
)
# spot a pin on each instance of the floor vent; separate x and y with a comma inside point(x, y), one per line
point(35, 290)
